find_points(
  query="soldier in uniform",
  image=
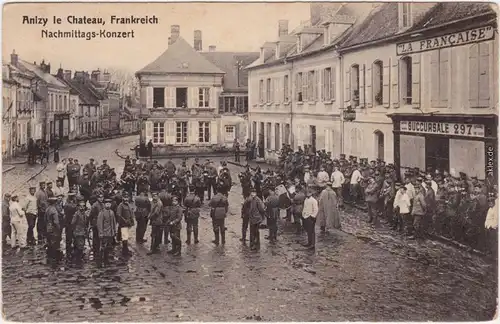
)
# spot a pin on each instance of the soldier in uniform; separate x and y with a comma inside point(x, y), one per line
point(440, 214)
point(125, 219)
point(175, 225)
point(255, 210)
point(95, 209)
point(246, 182)
point(198, 179)
point(143, 208)
point(192, 204)
point(225, 182)
point(53, 231)
point(272, 211)
point(297, 206)
point(70, 209)
point(142, 182)
point(156, 221)
point(106, 231)
point(78, 224)
point(210, 179)
point(219, 206)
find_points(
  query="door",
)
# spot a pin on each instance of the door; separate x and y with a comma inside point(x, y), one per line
point(379, 142)
point(437, 153)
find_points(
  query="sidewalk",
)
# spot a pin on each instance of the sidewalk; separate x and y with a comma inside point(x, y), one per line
point(23, 158)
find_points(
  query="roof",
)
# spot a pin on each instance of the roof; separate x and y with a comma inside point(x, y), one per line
point(228, 62)
point(447, 12)
point(47, 77)
point(180, 57)
point(85, 93)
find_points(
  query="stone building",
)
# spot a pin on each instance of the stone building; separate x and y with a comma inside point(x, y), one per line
point(181, 92)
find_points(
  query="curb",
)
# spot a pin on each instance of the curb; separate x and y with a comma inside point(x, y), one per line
point(81, 143)
point(186, 155)
point(12, 167)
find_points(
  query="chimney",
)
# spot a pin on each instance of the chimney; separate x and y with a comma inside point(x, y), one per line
point(60, 73)
point(282, 28)
point(211, 48)
point(67, 75)
point(13, 58)
point(197, 41)
point(174, 33)
point(47, 68)
point(96, 75)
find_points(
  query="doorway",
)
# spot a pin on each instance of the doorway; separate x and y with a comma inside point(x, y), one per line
point(379, 145)
point(437, 153)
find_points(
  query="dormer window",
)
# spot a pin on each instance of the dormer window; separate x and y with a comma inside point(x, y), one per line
point(405, 15)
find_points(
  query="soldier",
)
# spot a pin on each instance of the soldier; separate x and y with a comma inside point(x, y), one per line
point(211, 176)
point(254, 209)
point(175, 225)
point(106, 231)
point(31, 209)
point(6, 227)
point(70, 208)
point(219, 207)
point(246, 182)
point(78, 224)
point(42, 203)
point(156, 221)
point(49, 190)
point(143, 209)
point(297, 206)
point(198, 179)
point(273, 211)
point(18, 223)
point(192, 205)
point(225, 182)
point(440, 214)
point(142, 183)
point(53, 231)
point(90, 168)
point(236, 148)
point(170, 168)
point(125, 219)
point(96, 208)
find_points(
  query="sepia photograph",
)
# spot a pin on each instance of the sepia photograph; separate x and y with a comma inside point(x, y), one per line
point(249, 161)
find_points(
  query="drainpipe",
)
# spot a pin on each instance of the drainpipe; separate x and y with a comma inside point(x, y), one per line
point(292, 141)
point(341, 107)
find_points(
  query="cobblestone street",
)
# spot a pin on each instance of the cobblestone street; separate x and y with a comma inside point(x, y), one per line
point(355, 274)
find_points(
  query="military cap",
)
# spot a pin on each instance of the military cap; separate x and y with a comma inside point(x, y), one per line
point(14, 196)
point(108, 200)
point(7, 195)
point(32, 188)
point(52, 199)
point(390, 165)
point(49, 182)
point(379, 160)
point(71, 194)
point(104, 161)
point(373, 161)
point(82, 203)
point(474, 178)
point(478, 185)
point(92, 159)
point(342, 155)
point(351, 156)
point(462, 175)
point(41, 182)
point(398, 184)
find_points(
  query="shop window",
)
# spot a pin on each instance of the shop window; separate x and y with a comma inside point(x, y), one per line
point(437, 152)
point(181, 97)
point(181, 131)
point(203, 97)
point(158, 97)
point(378, 82)
point(355, 85)
point(406, 79)
point(203, 132)
point(158, 133)
point(299, 87)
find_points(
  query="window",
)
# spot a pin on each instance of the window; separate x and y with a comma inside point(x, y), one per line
point(203, 97)
point(328, 85)
point(268, 136)
point(355, 85)
point(299, 87)
point(378, 82)
point(254, 131)
point(181, 132)
point(277, 139)
point(181, 97)
point(158, 97)
point(311, 86)
point(285, 89)
point(65, 103)
point(405, 14)
point(158, 133)
point(286, 136)
point(406, 79)
point(242, 105)
point(204, 132)
point(230, 133)
point(229, 104)
point(261, 91)
point(268, 90)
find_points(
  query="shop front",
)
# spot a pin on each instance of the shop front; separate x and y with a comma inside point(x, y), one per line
point(452, 143)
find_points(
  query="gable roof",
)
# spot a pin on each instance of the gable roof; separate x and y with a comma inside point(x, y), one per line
point(228, 62)
point(180, 57)
point(47, 77)
point(84, 91)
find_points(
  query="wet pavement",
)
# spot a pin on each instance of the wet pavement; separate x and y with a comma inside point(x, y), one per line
point(359, 273)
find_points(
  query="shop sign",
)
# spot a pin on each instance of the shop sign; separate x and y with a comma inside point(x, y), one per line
point(480, 34)
point(442, 128)
point(349, 114)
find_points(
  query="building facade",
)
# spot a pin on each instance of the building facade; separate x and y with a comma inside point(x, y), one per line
point(9, 125)
point(110, 101)
point(180, 95)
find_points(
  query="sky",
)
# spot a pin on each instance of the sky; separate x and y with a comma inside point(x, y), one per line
point(228, 26)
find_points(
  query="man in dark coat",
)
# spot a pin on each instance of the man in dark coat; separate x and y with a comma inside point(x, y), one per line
point(272, 211)
point(156, 221)
point(106, 230)
point(125, 219)
point(219, 206)
point(192, 204)
point(42, 203)
point(254, 209)
point(70, 209)
point(143, 208)
point(175, 225)
point(53, 231)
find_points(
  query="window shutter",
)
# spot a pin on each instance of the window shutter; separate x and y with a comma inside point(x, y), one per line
point(317, 85)
point(484, 74)
point(474, 75)
point(213, 95)
point(296, 86)
point(386, 83)
point(170, 97)
point(434, 78)
point(415, 82)
point(395, 84)
point(194, 129)
point(193, 97)
point(444, 71)
point(170, 129)
point(362, 86)
point(305, 86)
point(347, 81)
point(368, 86)
point(333, 82)
point(149, 131)
point(323, 84)
point(277, 90)
point(213, 132)
point(149, 97)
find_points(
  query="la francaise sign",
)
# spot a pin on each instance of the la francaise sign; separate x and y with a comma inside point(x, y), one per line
point(456, 39)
